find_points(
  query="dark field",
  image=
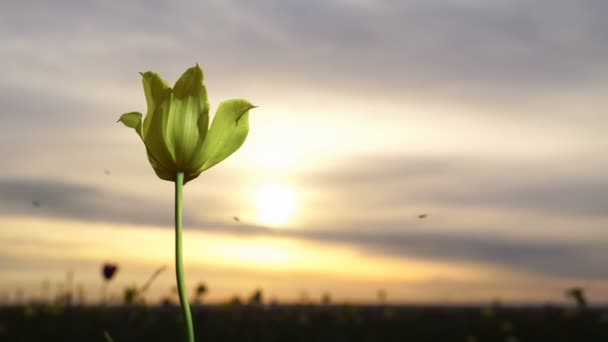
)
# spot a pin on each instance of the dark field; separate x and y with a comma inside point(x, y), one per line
point(305, 323)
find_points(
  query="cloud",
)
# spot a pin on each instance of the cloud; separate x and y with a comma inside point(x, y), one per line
point(55, 199)
point(584, 260)
point(359, 67)
point(467, 51)
point(552, 194)
point(550, 257)
point(544, 188)
point(559, 197)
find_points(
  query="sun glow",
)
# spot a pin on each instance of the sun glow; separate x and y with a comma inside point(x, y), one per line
point(276, 203)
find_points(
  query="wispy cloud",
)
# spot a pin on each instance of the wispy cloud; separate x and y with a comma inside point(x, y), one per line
point(546, 188)
point(87, 203)
point(473, 50)
point(585, 260)
point(551, 256)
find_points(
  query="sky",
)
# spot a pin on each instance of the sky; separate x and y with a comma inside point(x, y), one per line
point(486, 116)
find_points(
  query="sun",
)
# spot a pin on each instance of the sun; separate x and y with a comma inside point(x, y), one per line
point(276, 203)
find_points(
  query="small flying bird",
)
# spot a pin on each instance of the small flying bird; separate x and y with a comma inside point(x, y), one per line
point(36, 203)
point(422, 216)
point(236, 219)
point(107, 172)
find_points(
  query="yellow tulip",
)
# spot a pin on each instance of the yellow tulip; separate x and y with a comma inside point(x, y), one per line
point(176, 129)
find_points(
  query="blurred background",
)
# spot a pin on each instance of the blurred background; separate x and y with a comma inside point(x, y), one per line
point(442, 151)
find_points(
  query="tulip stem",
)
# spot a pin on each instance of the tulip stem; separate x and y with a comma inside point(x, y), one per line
point(179, 263)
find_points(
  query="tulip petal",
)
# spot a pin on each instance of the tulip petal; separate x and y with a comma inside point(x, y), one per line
point(227, 133)
point(158, 98)
point(190, 83)
point(156, 90)
point(188, 117)
point(133, 120)
point(161, 171)
point(155, 137)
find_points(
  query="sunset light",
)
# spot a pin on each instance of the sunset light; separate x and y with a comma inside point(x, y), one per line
point(276, 204)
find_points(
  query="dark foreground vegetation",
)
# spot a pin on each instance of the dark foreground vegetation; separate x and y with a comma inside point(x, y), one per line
point(305, 323)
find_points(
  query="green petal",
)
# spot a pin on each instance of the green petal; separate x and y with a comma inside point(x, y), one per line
point(155, 136)
point(227, 133)
point(158, 99)
point(188, 117)
point(161, 171)
point(156, 90)
point(132, 120)
point(190, 83)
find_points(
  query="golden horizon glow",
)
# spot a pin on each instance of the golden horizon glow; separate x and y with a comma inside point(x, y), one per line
point(212, 250)
point(276, 203)
point(283, 266)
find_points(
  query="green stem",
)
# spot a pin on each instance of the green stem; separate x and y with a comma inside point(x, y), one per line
point(108, 337)
point(179, 263)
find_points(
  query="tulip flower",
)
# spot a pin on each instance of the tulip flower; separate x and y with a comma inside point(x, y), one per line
point(181, 144)
point(175, 130)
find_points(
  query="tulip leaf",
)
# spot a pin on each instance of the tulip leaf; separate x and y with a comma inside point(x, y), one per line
point(132, 120)
point(227, 133)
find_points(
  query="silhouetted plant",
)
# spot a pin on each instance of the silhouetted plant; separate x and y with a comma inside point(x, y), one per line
point(256, 298)
point(201, 290)
point(134, 295)
point(151, 279)
point(130, 295)
point(108, 271)
point(235, 301)
point(578, 295)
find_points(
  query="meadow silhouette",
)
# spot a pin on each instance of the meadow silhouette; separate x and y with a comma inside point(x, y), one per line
point(133, 318)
